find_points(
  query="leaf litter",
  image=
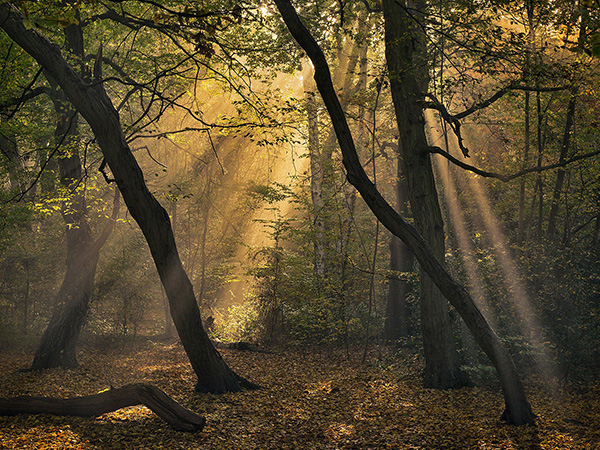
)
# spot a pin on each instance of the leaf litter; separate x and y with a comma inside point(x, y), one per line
point(311, 399)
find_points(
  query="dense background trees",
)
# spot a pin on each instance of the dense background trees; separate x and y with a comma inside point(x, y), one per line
point(217, 103)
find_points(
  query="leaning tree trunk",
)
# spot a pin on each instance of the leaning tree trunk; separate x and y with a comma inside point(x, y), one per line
point(405, 49)
point(518, 411)
point(92, 102)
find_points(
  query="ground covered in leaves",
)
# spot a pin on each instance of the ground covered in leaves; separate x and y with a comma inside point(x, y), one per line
point(311, 399)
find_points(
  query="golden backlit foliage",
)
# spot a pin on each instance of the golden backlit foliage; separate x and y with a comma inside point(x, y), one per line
point(311, 399)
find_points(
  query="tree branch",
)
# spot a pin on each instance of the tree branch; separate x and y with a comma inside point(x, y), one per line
point(507, 178)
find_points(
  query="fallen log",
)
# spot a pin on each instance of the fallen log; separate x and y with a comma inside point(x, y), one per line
point(161, 404)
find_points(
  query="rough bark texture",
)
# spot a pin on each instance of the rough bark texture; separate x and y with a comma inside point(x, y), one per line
point(408, 73)
point(518, 410)
point(93, 104)
point(161, 404)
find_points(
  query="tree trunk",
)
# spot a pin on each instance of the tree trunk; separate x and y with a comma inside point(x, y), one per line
point(14, 161)
point(560, 175)
point(316, 174)
point(522, 226)
point(57, 347)
point(161, 404)
point(406, 48)
point(397, 318)
point(518, 411)
point(93, 104)
point(540, 160)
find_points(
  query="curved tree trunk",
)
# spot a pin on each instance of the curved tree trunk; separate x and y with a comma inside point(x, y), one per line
point(161, 404)
point(92, 102)
point(518, 411)
point(57, 347)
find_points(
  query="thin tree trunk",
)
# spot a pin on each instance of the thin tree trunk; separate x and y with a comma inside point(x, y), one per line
point(518, 411)
point(203, 254)
point(540, 160)
point(316, 174)
point(397, 317)
point(560, 175)
point(93, 104)
point(522, 226)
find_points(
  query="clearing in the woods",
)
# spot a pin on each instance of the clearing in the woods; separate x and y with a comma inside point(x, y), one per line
point(311, 399)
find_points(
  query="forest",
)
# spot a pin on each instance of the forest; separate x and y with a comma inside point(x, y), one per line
point(328, 224)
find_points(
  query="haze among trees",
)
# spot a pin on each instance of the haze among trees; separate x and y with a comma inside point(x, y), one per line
point(239, 198)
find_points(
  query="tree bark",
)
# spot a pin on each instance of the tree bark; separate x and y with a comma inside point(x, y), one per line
point(523, 224)
point(58, 343)
point(161, 404)
point(397, 317)
point(560, 175)
point(316, 174)
point(518, 411)
point(94, 105)
point(409, 77)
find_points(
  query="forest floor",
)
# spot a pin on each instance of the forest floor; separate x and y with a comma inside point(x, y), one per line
point(311, 399)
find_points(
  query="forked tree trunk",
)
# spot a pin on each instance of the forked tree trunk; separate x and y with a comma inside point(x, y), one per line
point(161, 404)
point(92, 102)
point(518, 411)
point(409, 77)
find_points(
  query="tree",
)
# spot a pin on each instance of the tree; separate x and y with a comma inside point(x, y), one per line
point(58, 344)
point(93, 103)
point(409, 77)
point(518, 411)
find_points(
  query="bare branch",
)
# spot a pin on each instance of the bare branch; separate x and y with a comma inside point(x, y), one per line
point(507, 178)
